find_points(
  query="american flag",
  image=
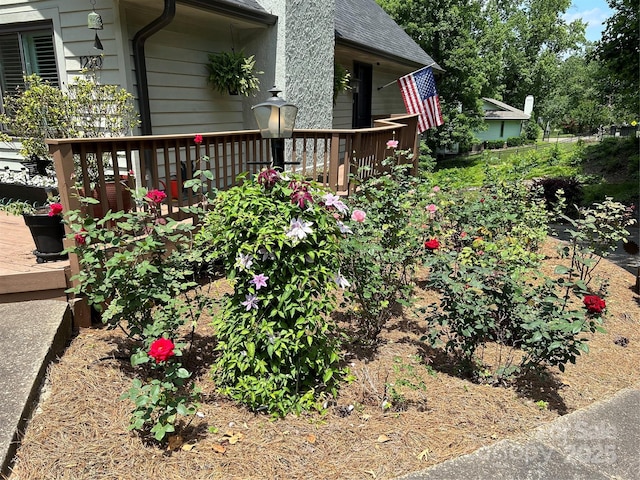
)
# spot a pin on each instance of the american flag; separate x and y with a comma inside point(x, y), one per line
point(419, 94)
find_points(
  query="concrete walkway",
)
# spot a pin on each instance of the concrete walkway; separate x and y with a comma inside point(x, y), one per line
point(31, 335)
point(598, 442)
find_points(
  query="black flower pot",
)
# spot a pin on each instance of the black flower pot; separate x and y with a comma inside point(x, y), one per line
point(47, 233)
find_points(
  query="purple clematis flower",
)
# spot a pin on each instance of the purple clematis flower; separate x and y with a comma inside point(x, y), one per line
point(259, 281)
point(251, 301)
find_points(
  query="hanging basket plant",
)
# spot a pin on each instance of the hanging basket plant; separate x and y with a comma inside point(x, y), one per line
point(233, 73)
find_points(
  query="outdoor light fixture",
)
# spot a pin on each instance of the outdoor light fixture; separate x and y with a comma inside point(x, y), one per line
point(94, 22)
point(276, 119)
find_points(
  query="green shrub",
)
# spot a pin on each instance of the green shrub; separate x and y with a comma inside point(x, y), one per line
point(494, 144)
point(515, 141)
point(278, 241)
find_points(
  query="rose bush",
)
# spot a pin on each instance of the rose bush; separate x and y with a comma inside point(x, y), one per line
point(139, 272)
point(380, 258)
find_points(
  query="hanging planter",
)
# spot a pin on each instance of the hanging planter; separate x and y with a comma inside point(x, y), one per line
point(233, 73)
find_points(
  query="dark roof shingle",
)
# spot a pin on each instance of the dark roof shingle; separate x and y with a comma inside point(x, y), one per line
point(364, 24)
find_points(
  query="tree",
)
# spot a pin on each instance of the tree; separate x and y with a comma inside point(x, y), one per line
point(618, 54)
point(448, 30)
point(504, 49)
point(574, 101)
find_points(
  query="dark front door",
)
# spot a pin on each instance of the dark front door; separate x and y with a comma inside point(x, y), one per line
point(362, 73)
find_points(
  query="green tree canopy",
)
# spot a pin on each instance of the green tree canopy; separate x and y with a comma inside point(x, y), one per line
point(618, 54)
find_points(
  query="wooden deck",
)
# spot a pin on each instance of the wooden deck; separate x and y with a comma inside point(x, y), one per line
point(21, 277)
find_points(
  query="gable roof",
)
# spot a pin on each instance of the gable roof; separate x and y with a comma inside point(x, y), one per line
point(364, 25)
point(503, 111)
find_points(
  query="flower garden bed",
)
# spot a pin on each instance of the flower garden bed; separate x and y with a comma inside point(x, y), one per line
point(80, 429)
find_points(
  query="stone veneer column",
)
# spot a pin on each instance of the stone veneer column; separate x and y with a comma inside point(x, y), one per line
point(303, 41)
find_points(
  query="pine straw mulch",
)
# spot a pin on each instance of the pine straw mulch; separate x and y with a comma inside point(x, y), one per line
point(80, 428)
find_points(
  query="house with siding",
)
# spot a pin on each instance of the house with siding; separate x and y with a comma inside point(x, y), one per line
point(503, 121)
point(157, 50)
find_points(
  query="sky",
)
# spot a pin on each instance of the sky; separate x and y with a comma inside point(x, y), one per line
point(593, 12)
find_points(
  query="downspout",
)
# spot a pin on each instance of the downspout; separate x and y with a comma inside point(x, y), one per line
point(140, 62)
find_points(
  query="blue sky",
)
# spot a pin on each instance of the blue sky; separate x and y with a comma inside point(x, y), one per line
point(594, 12)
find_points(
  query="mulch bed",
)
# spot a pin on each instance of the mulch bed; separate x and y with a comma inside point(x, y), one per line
point(80, 428)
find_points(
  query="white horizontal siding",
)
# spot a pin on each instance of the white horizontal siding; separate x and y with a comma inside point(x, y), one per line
point(388, 100)
point(181, 101)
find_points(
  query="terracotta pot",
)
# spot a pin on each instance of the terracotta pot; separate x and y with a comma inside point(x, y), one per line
point(111, 198)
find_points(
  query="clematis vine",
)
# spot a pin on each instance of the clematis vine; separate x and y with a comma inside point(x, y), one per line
point(341, 281)
point(268, 177)
point(333, 201)
point(344, 228)
point(266, 254)
point(299, 229)
point(250, 301)
point(244, 262)
point(259, 281)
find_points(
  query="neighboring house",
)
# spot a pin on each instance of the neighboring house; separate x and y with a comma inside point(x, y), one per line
point(158, 50)
point(503, 121)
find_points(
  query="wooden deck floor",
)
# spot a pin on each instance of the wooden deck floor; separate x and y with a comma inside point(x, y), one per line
point(21, 277)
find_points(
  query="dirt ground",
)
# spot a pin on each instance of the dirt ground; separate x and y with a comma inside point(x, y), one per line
point(80, 428)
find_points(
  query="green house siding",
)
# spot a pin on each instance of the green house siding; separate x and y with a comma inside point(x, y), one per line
point(511, 129)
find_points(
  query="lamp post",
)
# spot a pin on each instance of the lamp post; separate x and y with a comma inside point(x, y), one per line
point(276, 118)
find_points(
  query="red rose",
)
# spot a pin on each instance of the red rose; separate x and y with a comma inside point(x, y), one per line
point(156, 196)
point(432, 244)
point(594, 304)
point(197, 139)
point(81, 237)
point(161, 350)
point(55, 209)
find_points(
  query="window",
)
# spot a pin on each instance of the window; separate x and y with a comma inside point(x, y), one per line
point(26, 49)
point(502, 129)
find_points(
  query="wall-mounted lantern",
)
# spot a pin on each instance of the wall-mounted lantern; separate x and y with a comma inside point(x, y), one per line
point(276, 119)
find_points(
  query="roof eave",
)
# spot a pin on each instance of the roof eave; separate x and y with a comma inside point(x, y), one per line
point(234, 10)
point(385, 55)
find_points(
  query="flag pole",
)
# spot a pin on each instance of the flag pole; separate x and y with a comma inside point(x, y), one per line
point(394, 81)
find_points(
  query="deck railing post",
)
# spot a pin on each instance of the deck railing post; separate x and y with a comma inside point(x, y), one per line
point(65, 172)
point(334, 159)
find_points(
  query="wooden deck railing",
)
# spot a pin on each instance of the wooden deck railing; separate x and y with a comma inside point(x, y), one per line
point(330, 157)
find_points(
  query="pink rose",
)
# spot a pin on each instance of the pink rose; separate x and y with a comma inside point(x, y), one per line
point(358, 216)
point(197, 139)
point(436, 189)
point(156, 196)
point(432, 208)
point(161, 350)
point(55, 209)
point(392, 144)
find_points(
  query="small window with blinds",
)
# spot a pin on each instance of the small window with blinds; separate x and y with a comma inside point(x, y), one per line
point(24, 51)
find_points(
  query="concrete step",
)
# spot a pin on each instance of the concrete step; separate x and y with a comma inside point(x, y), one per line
point(32, 334)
